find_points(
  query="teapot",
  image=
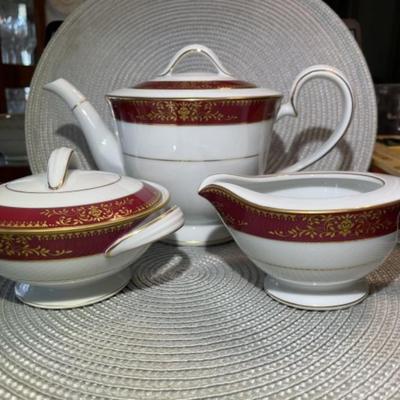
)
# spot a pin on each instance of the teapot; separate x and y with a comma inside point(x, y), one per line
point(182, 127)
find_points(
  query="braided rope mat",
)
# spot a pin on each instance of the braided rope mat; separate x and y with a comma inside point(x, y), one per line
point(105, 45)
point(194, 323)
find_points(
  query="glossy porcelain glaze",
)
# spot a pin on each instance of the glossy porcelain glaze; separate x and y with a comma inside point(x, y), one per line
point(68, 237)
point(192, 125)
point(316, 235)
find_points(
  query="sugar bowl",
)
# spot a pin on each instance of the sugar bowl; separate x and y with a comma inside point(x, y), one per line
point(68, 237)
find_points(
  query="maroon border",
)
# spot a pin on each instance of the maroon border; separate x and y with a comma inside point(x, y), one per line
point(56, 246)
point(194, 112)
point(95, 213)
point(302, 227)
point(195, 85)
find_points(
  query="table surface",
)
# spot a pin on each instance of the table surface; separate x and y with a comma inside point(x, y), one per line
point(194, 323)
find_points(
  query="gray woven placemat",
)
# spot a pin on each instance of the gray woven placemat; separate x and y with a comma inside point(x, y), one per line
point(106, 45)
point(194, 323)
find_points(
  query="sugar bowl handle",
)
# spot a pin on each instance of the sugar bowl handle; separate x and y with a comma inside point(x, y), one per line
point(196, 48)
point(149, 231)
point(60, 160)
point(289, 109)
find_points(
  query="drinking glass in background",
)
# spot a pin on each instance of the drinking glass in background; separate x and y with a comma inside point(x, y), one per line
point(388, 99)
point(17, 32)
point(16, 99)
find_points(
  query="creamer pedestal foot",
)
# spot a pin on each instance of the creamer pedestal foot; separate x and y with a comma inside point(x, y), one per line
point(313, 298)
point(71, 296)
point(199, 235)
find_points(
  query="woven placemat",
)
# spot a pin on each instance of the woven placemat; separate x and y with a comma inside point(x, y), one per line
point(194, 323)
point(104, 45)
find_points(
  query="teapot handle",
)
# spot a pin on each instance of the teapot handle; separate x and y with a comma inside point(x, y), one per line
point(196, 48)
point(57, 167)
point(289, 109)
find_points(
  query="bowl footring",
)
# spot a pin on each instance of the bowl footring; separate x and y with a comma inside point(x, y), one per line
point(324, 299)
point(72, 296)
point(199, 235)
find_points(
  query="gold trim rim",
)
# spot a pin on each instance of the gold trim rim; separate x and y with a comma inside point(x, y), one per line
point(289, 211)
point(190, 161)
point(192, 99)
point(6, 185)
point(84, 228)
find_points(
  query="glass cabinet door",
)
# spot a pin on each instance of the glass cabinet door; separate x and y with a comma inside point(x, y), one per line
point(22, 26)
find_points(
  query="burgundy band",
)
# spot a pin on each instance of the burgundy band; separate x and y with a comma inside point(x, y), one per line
point(193, 85)
point(329, 227)
point(32, 218)
point(56, 246)
point(194, 112)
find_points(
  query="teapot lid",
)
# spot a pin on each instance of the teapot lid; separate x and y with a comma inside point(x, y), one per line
point(194, 85)
point(75, 199)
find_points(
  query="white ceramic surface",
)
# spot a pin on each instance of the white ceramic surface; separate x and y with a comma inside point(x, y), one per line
point(191, 150)
point(64, 187)
point(320, 273)
point(74, 295)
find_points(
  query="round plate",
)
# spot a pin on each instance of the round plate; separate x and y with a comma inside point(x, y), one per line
point(106, 45)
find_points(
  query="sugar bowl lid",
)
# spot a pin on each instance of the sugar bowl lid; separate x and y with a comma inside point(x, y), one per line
point(73, 199)
point(194, 85)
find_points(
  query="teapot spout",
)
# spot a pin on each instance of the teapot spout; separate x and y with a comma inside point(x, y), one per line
point(103, 143)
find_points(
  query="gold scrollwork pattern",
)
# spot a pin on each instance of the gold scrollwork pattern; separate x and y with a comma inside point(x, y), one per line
point(55, 245)
point(228, 218)
point(331, 226)
point(110, 211)
point(95, 213)
point(21, 247)
point(317, 226)
point(91, 214)
point(24, 224)
point(171, 111)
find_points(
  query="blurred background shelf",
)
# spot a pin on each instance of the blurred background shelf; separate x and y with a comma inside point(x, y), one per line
point(27, 25)
point(25, 28)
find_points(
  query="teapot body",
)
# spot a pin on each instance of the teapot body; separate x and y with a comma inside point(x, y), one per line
point(178, 143)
